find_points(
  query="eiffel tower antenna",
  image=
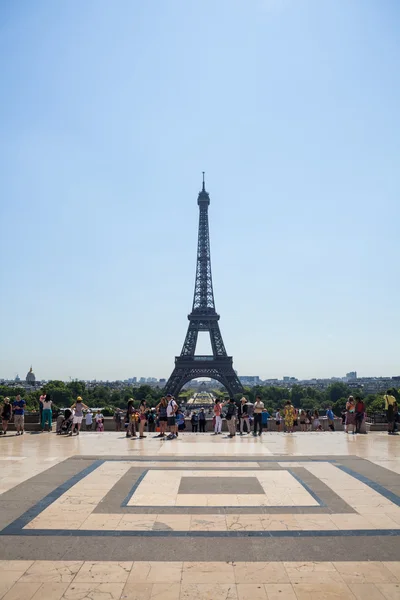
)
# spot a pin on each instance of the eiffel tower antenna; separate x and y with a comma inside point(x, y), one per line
point(203, 317)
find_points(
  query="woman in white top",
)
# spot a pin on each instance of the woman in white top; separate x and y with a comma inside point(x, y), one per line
point(47, 413)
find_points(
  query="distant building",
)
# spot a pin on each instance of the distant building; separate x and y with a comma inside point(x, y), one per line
point(352, 376)
point(250, 380)
point(30, 377)
point(287, 379)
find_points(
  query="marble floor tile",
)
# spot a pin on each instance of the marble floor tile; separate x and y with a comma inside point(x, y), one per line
point(139, 522)
point(208, 591)
point(208, 523)
point(394, 567)
point(255, 591)
point(208, 572)
point(175, 522)
point(260, 572)
point(22, 591)
point(104, 572)
point(101, 521)
point(280, 591)
point(137, 591)
point(166, 591)
point(51, 591)
point(390, 591)
point(155, 572)
point(43, 571)
point(364, 572)
point(19, 566)
point(94, 591)
point(366, 591)
point(244, 523)
point(323, 591)
point(276, 522)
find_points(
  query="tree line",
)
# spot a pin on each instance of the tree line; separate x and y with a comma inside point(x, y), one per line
point(108, 398)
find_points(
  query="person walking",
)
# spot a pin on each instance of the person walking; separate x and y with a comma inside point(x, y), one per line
point(360, 413)
point(195, 422)
point(202, 421)
point(6, 414)
point(19, 411)
point(257, 414)
point(79, 406)
point(243, 415)
point(218, 417)
point(289, 416)
point(350, 414)
point(47, 414)
point(231, 417)
point(390, 401)
point(162, 416)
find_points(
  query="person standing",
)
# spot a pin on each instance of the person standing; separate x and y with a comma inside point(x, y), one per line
point(218, 417)
point(99, 418)
point(131, 419)
point(117, 420)
point(41, 400)
point(195, 422)
point(47, 414)
point(162, 416)
point(6, 414)
point(172, 407)
point(289, 414)
point(78, 414)
point(264, 419)
point(390, 401)
point(331, 418)
point(142, 418)
point(243, 415)
point(350, 414)
point(151, 421)
point(231, 417)
point(360, 412)
point(19, 412)
point(89, 420)
point(180, 420)
point(278, 420)
point(202, 421)
point(316, 422)
point(257, 414)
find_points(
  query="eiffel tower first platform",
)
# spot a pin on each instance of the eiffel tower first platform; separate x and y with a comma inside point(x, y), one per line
point(203, 317)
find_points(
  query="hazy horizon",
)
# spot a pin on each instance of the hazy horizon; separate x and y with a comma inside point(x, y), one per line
point(110, 114)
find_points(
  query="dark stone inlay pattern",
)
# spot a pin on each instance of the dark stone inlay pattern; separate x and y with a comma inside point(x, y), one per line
point(220, 485)
point(208, 546)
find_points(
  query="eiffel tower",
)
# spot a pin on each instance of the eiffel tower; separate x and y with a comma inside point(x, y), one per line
point(203, 317)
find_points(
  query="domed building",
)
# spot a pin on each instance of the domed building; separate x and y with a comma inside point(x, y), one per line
point(30, 377)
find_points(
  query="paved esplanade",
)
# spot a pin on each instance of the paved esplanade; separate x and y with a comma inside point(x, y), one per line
point(295, 516)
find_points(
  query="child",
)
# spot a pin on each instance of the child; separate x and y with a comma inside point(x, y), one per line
point(316, 422)
point(278, 420)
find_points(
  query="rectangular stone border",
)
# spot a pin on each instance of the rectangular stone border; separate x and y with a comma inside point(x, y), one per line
point(117, 499)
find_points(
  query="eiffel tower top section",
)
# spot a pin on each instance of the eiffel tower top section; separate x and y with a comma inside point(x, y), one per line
point(203, 300)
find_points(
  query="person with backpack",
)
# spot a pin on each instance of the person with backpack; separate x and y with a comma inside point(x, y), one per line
point(195, 422)
point(231, 417)
point(151, 420)
point(172, 407)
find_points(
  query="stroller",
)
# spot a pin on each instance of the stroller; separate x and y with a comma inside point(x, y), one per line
point(64, 422)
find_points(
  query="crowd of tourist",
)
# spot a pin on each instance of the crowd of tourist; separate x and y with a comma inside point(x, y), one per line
point(168, 420)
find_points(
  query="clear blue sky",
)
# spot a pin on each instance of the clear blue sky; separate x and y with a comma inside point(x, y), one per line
point(109, 113)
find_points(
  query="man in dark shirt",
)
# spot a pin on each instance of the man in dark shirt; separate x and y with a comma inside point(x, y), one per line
point(19, 411)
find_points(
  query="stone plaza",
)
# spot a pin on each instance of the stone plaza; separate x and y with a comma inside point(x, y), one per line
point(303, 516)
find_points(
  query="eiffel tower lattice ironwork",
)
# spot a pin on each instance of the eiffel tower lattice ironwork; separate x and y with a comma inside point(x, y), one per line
point(203, 317)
